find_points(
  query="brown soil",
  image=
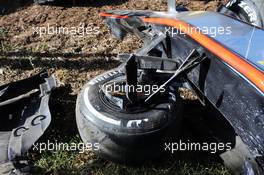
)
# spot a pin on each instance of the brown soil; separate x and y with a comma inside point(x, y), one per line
point(18, 30)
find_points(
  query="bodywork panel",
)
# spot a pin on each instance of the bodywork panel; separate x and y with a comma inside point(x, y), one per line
point(231, 92)
point(243, 39)
point(246, 66)
point(25, 116)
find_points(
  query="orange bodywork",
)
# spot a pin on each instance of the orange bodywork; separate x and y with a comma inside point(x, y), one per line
point(112, 16)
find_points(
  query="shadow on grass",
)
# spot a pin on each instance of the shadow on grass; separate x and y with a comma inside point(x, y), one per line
point(11, 6)
point(80, 65)
point(54, 54)
point(62, 107)
point(85, 3)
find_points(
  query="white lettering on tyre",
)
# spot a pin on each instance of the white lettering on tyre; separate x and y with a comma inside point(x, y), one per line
point(250, 12)
point(101, 78)
point(230, 3)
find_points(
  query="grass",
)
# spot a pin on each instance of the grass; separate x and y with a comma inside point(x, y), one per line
point(3, 32)
point(2, 37)
point(4, 45)
point(72, 162)
point(63, 129)
point(64, 162)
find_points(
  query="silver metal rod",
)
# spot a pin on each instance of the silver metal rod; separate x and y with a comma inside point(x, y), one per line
point(171, 6)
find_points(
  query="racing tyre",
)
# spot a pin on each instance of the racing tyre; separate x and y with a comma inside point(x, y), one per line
point(125, 136)
point(43, 1)
point(250, 11)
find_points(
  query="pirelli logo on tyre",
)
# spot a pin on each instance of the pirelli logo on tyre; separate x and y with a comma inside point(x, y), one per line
point(103, 77)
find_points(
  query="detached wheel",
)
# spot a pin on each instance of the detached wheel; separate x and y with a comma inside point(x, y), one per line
point(130, 135)
point(250, 11)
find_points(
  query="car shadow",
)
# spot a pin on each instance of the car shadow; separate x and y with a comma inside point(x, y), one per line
point(202, 124)
point(11, 6)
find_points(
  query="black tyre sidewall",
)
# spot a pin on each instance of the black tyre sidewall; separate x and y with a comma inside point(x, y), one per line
point(248, 11)
point(119, 145)
point(111, 149)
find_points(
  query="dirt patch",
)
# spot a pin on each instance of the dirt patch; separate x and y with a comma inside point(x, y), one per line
point(21, 25)
point(18, 30)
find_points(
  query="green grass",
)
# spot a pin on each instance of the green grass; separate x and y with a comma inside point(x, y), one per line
point(5, 46)
point(2, 37)
point(64, 162)
point(3, 32)
point(63, 129)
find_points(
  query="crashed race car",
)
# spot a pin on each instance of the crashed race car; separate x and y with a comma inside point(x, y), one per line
point(131, 111)
point(135, 111)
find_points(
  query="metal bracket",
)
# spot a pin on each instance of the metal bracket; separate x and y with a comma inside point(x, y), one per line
point(151, 44)
point(131, 78)
point(152, 62)
point(189, 63)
